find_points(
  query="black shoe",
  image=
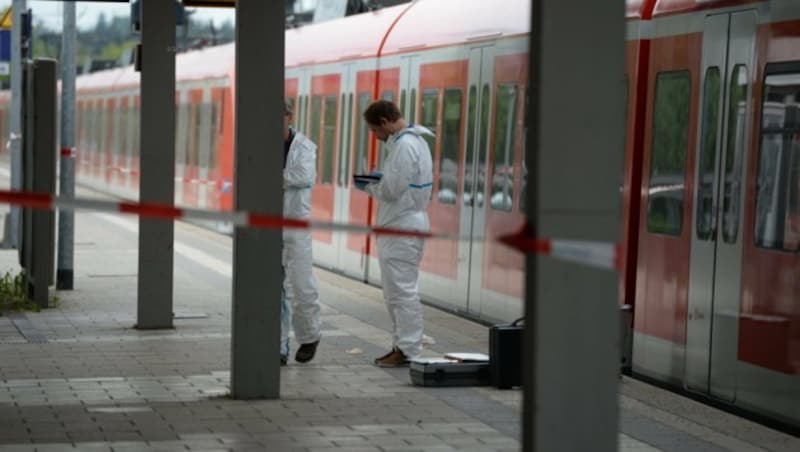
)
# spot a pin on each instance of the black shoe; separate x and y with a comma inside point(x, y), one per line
point(306, 352)
point(284, 360)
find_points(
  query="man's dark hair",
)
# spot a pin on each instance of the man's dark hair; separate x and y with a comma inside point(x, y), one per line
point(381, 109)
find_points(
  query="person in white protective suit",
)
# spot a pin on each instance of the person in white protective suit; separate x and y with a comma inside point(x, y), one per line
point(300, 298)
point(403, 192)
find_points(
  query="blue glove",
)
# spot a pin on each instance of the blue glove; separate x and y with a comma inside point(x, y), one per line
point(360, 185)
point(376, 173)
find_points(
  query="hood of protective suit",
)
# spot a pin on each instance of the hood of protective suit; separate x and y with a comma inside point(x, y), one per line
point(416, 129)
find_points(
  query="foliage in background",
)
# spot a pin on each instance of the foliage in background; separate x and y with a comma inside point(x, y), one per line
point(111, 39)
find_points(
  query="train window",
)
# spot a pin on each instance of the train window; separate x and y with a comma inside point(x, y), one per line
point(137, 136)
point(382, 149)
point(346, 143)
point(734, 154)
point(483, 134)
point(111, 127)
point(412, 117)
point(668, 159)
point(305, 115)
point(708, 151)
point(180, 134)
point(451, 143)
point(122, 148)
point(340, 181)
point(197, 134)
point(213, 133)
point(362, 138)
point(429, 115)
point(403, 109)
point(316, 118)
point(469, 157)
point(777, 223)
point(349, 148)
point(101, 143)
point(503, 164)
point(329, 139)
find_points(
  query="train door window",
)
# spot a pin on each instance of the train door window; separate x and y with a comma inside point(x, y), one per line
point(316, 119)
point(503, 160)
point(101, 143)
point(429, 115)
point(383, 149)
point(79, 124)
point(205, 149)
point(98, 126)
point(122, 148)
point(403, 108)
point(778, 184)
point(111, 125)
point(472, 104)
point(362, 135)
point(451, 143)
point(708, 152)
point(329, 139)
point(668, 160)
point(342, 173)
point(344, 147)
point(734, 153)
point(137, 136)
point(180, 133)
point(197, 130)
point(305, 115)
point(349, 147)
point(484, 134)
point(412, 115)
point(86, 122)
point(292, 103)
point(213, 133)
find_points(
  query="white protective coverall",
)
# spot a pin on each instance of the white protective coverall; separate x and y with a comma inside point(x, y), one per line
point(404, 192)
point(300, 284)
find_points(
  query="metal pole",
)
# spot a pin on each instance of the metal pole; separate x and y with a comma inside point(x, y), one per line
point(571, 347)
point(66, 219)
point(18, 7)
point(255, 364)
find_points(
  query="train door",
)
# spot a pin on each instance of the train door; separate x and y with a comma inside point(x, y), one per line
point(343, 259)
point(503, 269)
point(442, 94)
point(472, 221)
point(324, 131)
point(716, 253)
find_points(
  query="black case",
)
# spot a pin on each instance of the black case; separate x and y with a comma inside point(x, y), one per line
point(450, 374)
point(505, 355)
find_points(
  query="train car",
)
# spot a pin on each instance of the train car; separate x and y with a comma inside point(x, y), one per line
point(710, 195)
point(715, 88)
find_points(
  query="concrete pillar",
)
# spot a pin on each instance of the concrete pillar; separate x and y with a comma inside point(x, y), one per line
point(66, 219)
point(255, 360)
point(15, 132)
point(157, 163)
point(575, 144)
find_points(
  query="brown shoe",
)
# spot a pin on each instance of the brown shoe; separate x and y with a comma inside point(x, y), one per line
point(395, 358)
point(306, 352)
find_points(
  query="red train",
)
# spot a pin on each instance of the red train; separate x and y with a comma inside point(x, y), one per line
point(711, 216)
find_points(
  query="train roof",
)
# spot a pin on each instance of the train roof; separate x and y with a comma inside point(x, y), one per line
point(669, 7)
point(357, 36)
point(435, 23)
point(208, 63)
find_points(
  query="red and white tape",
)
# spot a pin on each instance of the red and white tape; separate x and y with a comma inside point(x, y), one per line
point(590, 253)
